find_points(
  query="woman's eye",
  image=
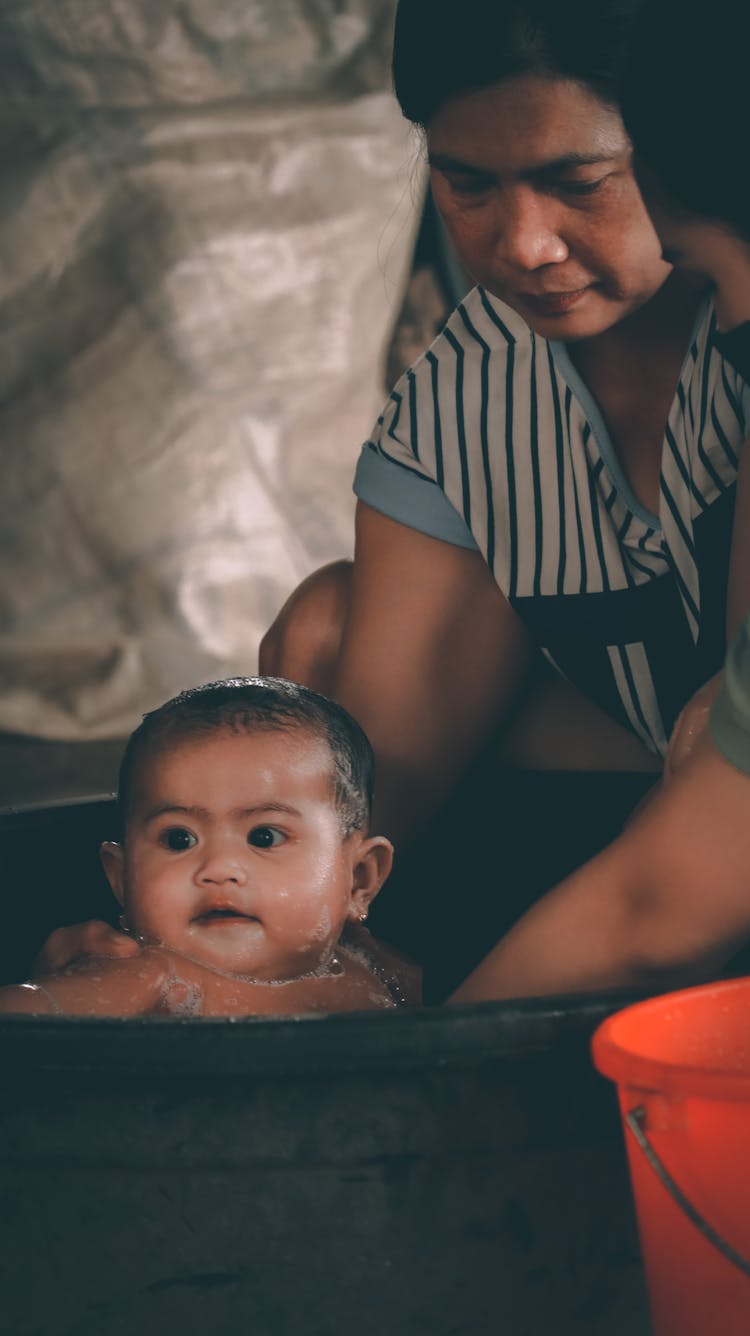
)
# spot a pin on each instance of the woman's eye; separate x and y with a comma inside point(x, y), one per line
point(265, 837)
point(580, 187)
point(470, 185)
point(177, 839)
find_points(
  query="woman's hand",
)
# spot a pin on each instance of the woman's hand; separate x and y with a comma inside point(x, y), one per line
point(690, 726)
point(77, 941)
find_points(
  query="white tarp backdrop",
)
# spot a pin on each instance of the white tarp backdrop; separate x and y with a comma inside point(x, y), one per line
point(206, 217)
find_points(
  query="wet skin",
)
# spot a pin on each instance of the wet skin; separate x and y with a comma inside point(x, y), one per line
point(235, 856)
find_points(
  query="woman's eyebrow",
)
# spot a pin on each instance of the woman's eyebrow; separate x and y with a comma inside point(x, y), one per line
point(445, 162)
point(568, 161)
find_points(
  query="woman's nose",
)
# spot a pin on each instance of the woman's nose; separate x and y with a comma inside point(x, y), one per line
point(526, 231)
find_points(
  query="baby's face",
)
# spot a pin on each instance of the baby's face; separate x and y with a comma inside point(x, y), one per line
point(235, 856)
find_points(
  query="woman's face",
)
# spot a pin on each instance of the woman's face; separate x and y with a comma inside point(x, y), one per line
point(533, 178)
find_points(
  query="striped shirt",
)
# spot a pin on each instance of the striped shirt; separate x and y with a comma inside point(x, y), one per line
point(492, 441)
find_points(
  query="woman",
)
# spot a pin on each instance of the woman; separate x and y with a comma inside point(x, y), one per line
point(669, 901)
point(558, 471)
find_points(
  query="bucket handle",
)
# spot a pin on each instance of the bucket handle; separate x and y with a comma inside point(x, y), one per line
point(635, 1120)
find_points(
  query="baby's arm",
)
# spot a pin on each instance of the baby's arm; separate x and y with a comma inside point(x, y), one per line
point(28, 998)
point(132, 986)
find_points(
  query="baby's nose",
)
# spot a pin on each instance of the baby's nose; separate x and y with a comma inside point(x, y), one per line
point(222, 867)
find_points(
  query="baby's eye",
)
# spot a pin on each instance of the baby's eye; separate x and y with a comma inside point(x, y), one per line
point(177, 839)
point(265, 837)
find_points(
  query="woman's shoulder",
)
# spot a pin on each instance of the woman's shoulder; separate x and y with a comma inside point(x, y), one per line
point(482, 344)
point(479, 324)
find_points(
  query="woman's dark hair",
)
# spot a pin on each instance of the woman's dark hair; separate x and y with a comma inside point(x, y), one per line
point(247, 705)
point(442, 48)
point(684, 101)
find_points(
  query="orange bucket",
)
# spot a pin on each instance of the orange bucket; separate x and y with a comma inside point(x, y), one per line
point(682, 1067)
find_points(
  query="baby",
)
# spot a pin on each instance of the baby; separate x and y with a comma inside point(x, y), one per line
point(244, 809)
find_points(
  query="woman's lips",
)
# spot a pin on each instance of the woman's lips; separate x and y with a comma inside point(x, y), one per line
point(553, 303)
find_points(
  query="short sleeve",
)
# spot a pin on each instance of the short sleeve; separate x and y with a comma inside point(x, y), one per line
point(438, 457)
point(410, 497)
point(730, 716)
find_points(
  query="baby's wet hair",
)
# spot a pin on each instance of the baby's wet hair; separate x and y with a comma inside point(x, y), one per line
point(254, 704)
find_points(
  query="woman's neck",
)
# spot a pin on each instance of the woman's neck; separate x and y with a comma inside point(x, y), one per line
point(665, 319)
point(632, 371)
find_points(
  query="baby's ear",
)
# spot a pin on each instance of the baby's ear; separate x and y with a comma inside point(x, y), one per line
point(371, 866)
point(113, 862)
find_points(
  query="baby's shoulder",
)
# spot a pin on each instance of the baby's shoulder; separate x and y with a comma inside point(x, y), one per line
point(353, 986)
point(362, 982)
point(185, 987)
point(176, 983)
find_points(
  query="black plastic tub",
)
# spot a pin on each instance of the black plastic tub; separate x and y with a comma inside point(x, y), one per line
point(431, 1172)
point(438, 1172)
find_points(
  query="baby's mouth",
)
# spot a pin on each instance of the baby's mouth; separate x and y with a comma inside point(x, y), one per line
point(223, 914)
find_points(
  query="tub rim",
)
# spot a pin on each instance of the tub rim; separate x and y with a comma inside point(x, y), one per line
point(418, 1038)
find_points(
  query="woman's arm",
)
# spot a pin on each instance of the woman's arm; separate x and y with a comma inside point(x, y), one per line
point(668, 902)
point(432, 658)
point(79, 941)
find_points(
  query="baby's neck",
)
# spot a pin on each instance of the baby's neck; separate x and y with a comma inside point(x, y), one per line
point(328, 966)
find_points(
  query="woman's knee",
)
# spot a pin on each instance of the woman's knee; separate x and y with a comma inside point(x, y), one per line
point(304, 640)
